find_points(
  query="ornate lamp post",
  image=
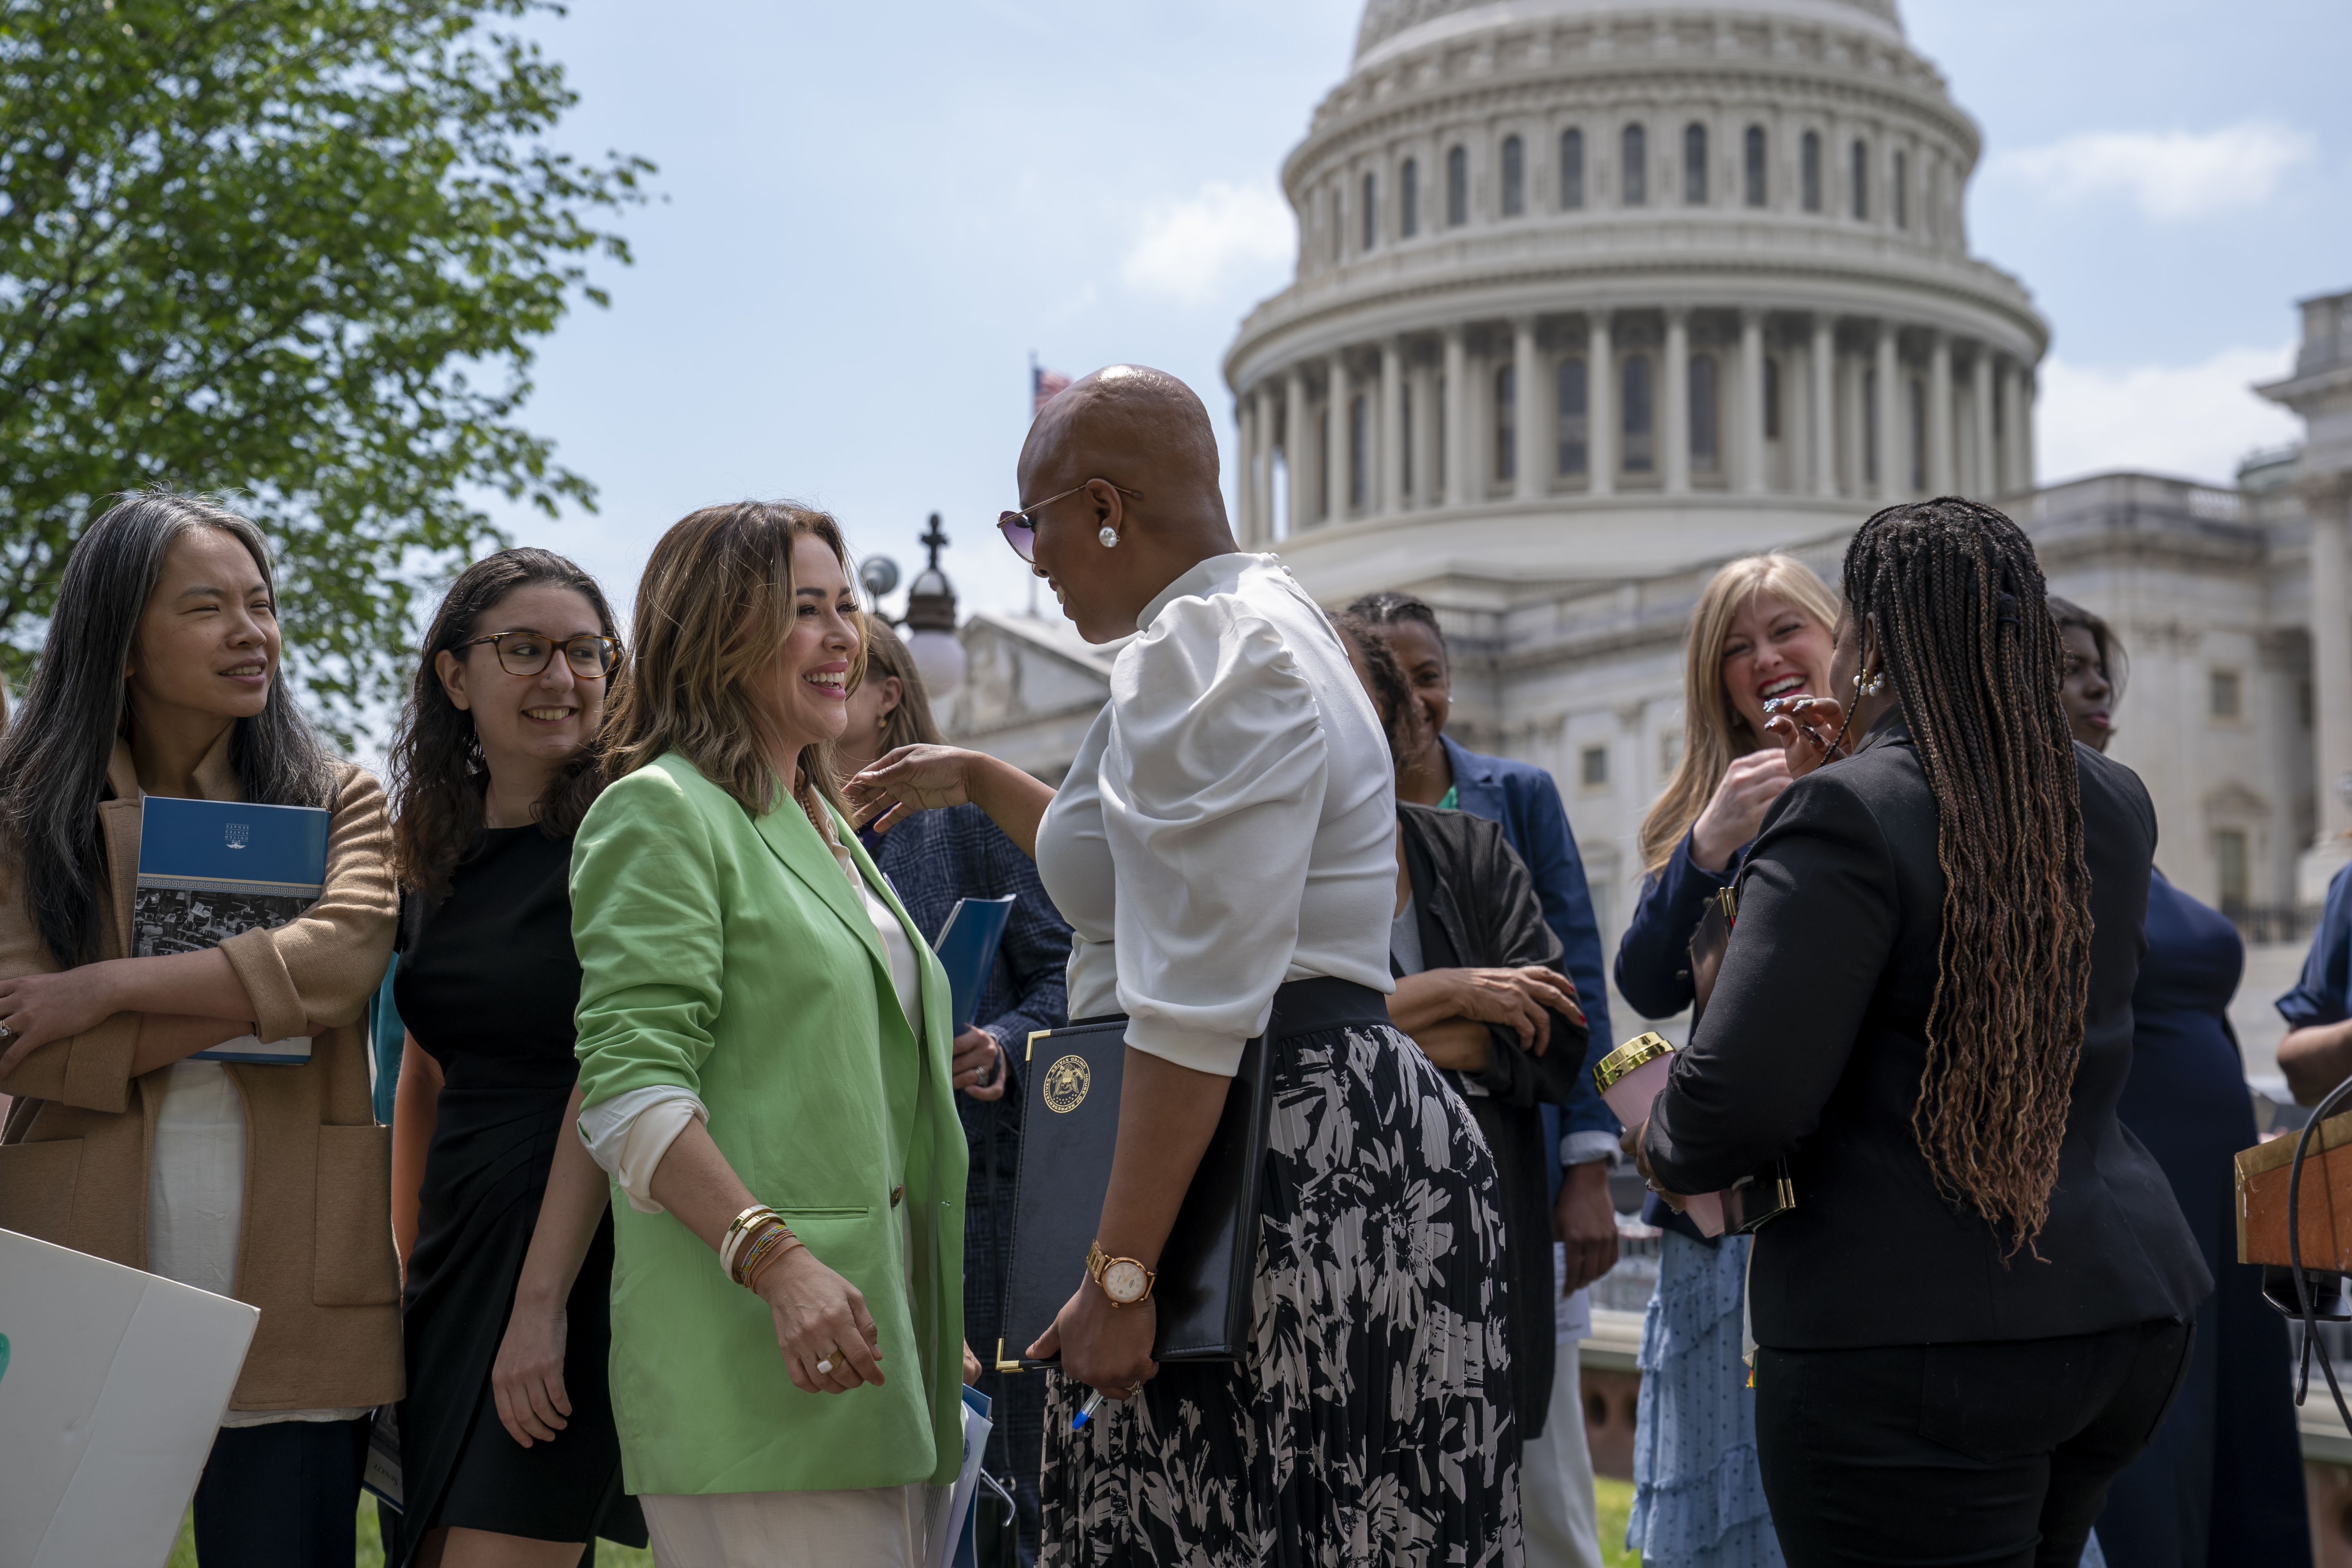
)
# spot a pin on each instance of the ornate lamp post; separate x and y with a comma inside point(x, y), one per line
point(931, 620)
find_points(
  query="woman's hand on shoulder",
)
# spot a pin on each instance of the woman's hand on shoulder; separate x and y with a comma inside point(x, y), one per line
point(527, 1379)
point(909, 780)
point(1736, 812)
point(821, 1317)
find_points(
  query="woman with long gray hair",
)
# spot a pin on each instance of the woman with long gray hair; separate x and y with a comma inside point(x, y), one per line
point(266, 1182)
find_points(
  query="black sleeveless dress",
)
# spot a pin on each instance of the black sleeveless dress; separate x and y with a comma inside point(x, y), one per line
point(487, 985)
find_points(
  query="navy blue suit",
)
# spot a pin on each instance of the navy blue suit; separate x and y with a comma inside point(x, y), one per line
point(1525, 801)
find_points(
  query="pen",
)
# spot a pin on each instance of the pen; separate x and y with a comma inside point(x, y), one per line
point(1086, 1411)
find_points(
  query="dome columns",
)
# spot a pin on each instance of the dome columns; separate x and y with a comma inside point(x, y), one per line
point(1681, 400)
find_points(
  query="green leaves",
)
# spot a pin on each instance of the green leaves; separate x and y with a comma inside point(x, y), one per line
point(297, 253)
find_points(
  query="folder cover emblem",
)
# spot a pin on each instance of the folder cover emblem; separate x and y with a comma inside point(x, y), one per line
point(1065, 1085)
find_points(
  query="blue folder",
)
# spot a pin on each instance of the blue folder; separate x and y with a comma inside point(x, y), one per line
point(967, 950)
point(210, 870)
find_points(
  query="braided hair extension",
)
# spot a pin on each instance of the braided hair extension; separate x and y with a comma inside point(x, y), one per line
point(1965, 631)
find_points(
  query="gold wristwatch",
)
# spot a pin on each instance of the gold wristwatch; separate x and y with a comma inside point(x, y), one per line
point(1123, 1279)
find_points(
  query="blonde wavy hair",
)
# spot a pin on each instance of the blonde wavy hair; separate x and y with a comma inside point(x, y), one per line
point(1715, 734)
point(715, 602)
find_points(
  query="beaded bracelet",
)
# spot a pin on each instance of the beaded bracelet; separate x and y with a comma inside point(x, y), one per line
point(739, 1231)
point(785, 1249)
point(760, 1249)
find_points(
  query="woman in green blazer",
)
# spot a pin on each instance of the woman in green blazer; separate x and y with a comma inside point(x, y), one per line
point(765, 1070)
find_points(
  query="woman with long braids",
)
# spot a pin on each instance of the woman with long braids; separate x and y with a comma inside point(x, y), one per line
point(1978, 1309)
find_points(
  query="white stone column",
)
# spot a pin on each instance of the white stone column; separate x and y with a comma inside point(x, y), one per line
point(1527, 447)
point(1392, 444)
point(1940, 474)
point(1600, 405)
point(1983, 483)
point(1824, 368)
point(2013, 405)
point(2025, 392)
point(1343, 393)
point(1247, 440)
point(1891, 477)
point(1262, 502)
point(2331, 669)
point(1674, 427)
point(1423, 380)
point(1296, 450)
point(1457, 420)
point(1751, 402)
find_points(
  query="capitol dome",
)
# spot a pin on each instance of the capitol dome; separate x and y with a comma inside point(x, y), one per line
point(1594, 289)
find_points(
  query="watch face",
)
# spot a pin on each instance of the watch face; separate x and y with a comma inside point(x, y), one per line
point(1123, 1280)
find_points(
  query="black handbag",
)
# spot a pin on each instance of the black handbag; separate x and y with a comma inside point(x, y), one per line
point(1752, 1201)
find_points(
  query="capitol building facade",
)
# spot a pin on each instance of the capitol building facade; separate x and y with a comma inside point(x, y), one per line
point(1594, 295)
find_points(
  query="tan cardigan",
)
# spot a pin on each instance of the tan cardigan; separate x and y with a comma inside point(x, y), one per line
point(315, 1252)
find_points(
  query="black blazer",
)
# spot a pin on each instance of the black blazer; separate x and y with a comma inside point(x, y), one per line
point(1476, 908)
point(1813, 1047)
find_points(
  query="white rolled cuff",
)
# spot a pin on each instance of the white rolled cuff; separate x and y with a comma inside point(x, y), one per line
point(1202, 1050)
point(1590, 1148)
point(628, 1135)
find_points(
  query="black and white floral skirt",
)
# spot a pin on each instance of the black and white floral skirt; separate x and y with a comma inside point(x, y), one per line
point(1372, 1421)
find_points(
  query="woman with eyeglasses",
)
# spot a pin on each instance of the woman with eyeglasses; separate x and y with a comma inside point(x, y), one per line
point(1224, 849)
point(1980, 1307)
point(509, 1454)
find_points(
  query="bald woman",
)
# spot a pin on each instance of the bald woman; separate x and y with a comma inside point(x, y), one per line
point(1223, 850)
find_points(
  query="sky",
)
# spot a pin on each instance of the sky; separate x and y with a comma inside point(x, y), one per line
point(868, 218)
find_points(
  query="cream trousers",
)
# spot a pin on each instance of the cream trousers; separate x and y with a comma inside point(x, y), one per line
point(872, 1527)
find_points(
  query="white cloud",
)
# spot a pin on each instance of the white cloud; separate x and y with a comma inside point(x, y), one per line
point(2196, 420)
point(2171, 176)
point(1186, 249)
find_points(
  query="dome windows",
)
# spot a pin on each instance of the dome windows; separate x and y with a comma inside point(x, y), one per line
point(1571, 170)
point(1574, 447)
point(1457, 187)
point(1860, 181)
point(1752, 166)
point(1705, 424)
point(1695, 164)
point(1809, 170)
point(1902, 198)
point(1409, 199)
point(1636, 159)
point(1372, 211)
point(1515, 177)
point(1640, 427)
point(1506, 424)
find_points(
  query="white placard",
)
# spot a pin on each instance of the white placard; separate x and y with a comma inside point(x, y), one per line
point(113, 1388)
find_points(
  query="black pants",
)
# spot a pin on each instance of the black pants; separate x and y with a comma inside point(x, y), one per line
point(1976, 1454)
point(281, 1496)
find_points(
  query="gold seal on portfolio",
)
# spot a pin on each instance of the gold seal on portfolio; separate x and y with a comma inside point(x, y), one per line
point(1066, 1084)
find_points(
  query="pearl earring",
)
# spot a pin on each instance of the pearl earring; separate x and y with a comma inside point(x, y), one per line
point(1874, 685)
point(1110, 537)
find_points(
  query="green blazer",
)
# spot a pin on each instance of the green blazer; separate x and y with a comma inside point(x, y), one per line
point(729, 956)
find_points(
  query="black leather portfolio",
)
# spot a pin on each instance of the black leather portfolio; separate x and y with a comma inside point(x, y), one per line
point(1069, 1129)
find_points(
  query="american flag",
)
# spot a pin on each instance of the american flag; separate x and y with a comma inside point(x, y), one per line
point(1044, 385)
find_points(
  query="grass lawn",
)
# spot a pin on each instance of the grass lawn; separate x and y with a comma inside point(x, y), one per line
point(1615, 1502)
point(371, 1545)
point(1616, 1499)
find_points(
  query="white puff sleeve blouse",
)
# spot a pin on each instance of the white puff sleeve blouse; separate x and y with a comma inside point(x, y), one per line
point(1229, 821)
